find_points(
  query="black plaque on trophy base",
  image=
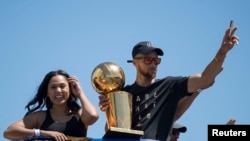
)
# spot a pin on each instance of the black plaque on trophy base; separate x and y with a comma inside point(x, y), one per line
point(122, 133)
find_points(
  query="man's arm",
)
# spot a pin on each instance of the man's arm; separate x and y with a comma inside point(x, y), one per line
point(198, 82)
point(207, 77)
point(184, 104)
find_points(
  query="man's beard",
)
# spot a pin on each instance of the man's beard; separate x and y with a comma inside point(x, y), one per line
point(147, 74)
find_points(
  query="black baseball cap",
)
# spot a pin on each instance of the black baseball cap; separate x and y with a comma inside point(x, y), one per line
point(145, 47)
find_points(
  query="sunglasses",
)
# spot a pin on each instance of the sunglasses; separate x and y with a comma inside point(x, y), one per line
point(149, 60)
point(175, 132)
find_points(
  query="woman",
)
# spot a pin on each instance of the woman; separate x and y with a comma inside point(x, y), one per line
point(64, 117)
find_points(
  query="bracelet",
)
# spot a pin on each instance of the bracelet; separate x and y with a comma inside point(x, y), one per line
point(37, 132)
point(218, 60)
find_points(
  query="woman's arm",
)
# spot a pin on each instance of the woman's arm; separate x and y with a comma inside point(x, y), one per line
point(88, 112)
point(23, 128)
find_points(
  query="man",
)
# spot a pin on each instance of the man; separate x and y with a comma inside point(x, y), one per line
point(157, 103)
point(177, 129)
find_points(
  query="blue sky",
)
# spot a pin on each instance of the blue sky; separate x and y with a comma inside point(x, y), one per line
point(37, 36)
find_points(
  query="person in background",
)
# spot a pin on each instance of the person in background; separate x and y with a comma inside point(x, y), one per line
point(176, 130)
point(231, 122)
point(156, 102)
point(63, 116)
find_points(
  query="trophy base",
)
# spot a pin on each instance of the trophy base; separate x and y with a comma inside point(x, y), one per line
point(123, 133)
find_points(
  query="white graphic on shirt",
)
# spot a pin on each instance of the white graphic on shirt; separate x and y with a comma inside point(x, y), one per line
point(154, 95)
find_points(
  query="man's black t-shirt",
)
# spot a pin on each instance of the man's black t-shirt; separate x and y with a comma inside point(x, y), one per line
point(154, 106)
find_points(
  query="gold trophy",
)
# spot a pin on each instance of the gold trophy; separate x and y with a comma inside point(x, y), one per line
point(107, 79)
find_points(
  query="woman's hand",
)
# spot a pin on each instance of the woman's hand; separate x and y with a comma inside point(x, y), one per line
point(54, 134)
point(75, 86)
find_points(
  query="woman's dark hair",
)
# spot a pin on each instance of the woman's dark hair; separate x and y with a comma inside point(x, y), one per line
point(41, 99)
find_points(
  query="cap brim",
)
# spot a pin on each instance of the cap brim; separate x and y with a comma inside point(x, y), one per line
point(129, 61)
point(183, 129)
point(180, 127)
point(159, 51)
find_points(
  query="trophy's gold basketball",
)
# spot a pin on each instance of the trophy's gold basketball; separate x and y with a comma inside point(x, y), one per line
point(107, 79)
